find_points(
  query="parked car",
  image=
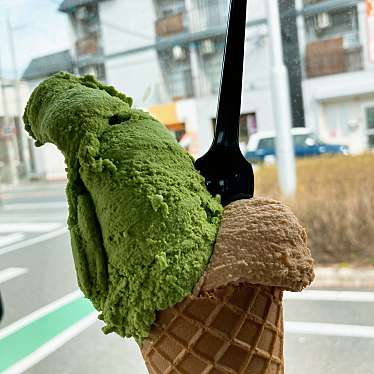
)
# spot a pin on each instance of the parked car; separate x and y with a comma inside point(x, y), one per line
point(261, 146)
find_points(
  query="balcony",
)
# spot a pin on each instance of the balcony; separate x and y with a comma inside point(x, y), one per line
point(170, 25)
point(327, 57)
point(87, 46)
point(207, 17)
point(200, 18)
point(179, 89)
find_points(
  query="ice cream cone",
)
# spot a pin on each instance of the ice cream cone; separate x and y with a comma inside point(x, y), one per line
point(233, 320)
point(233, 329)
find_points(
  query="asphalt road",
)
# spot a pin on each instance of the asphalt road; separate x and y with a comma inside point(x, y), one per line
point(49, 328)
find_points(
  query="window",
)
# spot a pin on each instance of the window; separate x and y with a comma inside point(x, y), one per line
point(334, 23)
point(266, 143)
point(370, 126)
point(300, 140)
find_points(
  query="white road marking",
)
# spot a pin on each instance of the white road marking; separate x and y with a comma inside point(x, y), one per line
point(29, 227)
point(52, 345)
point(39, 313)
point(32, 241)
point(10, 239)
point(321, 295)
point(10, 273)
point(329, 329)
point(27, 206)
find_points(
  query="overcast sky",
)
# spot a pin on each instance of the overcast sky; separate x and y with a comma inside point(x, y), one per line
point(38, 29)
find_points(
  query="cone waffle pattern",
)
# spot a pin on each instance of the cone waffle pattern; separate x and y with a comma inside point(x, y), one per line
point(235, 329)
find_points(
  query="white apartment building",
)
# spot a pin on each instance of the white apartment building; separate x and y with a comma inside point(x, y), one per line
point(167, 55)
point(337, 48)
point(47, 162)
point(13, 139)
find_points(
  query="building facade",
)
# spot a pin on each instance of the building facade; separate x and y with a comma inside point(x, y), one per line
point(167, 55)
point(86, 38)
point(172, 64)
point(339, 73)
point(13, 141)
point(46, 162)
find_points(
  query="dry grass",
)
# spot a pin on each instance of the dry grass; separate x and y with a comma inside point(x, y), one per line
point(335, 202)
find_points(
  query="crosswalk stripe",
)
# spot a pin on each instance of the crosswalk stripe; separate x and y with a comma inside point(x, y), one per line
point(38, 206)
point(329, 329)
point(32, 241)
point(327, 295)
point(10, 239)
point(11, 273)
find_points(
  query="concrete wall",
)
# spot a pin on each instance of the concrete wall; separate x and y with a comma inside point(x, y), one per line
point(127, 25)
point(334, 107)
point(344, 121)
point(9, 154)
point(137, 75)
point(48, 160)
point(199, 112)
point(11, 99)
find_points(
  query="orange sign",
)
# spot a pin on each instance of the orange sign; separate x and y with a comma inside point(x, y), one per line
point(165, 113)
point(369, 8)
point(370, 28)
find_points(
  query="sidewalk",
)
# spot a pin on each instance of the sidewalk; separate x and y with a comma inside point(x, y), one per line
point(29, 190)
point(326, 277)
point(32, 185)
point(333, 277)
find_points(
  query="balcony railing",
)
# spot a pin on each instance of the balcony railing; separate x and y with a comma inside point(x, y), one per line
point(209, 16)
point(87, 46)
point(179, 89)
point(327, 57)
point(197, 19)
point(170, 25)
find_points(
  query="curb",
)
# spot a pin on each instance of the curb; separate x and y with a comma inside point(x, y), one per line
point(343, 278)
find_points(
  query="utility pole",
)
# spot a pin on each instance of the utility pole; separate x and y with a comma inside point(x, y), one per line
point(281, 104)
point(8, 170)
point(21, 138)
point(292, 59)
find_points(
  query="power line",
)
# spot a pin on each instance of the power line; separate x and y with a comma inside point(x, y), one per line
point(323, 6)
point(127, 31)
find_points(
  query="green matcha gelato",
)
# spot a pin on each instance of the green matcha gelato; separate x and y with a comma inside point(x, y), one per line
point(142, 223)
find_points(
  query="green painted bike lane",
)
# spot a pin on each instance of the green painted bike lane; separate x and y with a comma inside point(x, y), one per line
point(23, 342)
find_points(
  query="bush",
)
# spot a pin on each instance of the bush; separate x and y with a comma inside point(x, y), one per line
point(335, 202)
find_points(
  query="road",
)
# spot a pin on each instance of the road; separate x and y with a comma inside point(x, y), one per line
point(49, 328)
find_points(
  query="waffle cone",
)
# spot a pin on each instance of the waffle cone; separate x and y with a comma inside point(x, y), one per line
point(233, 329)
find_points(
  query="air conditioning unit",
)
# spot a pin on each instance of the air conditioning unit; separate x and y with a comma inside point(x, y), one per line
point(322, 21)
point(82, 13)
point(207, 47)
point(179, 53)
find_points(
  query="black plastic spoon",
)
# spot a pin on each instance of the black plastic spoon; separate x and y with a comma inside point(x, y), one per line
point(224, 168)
